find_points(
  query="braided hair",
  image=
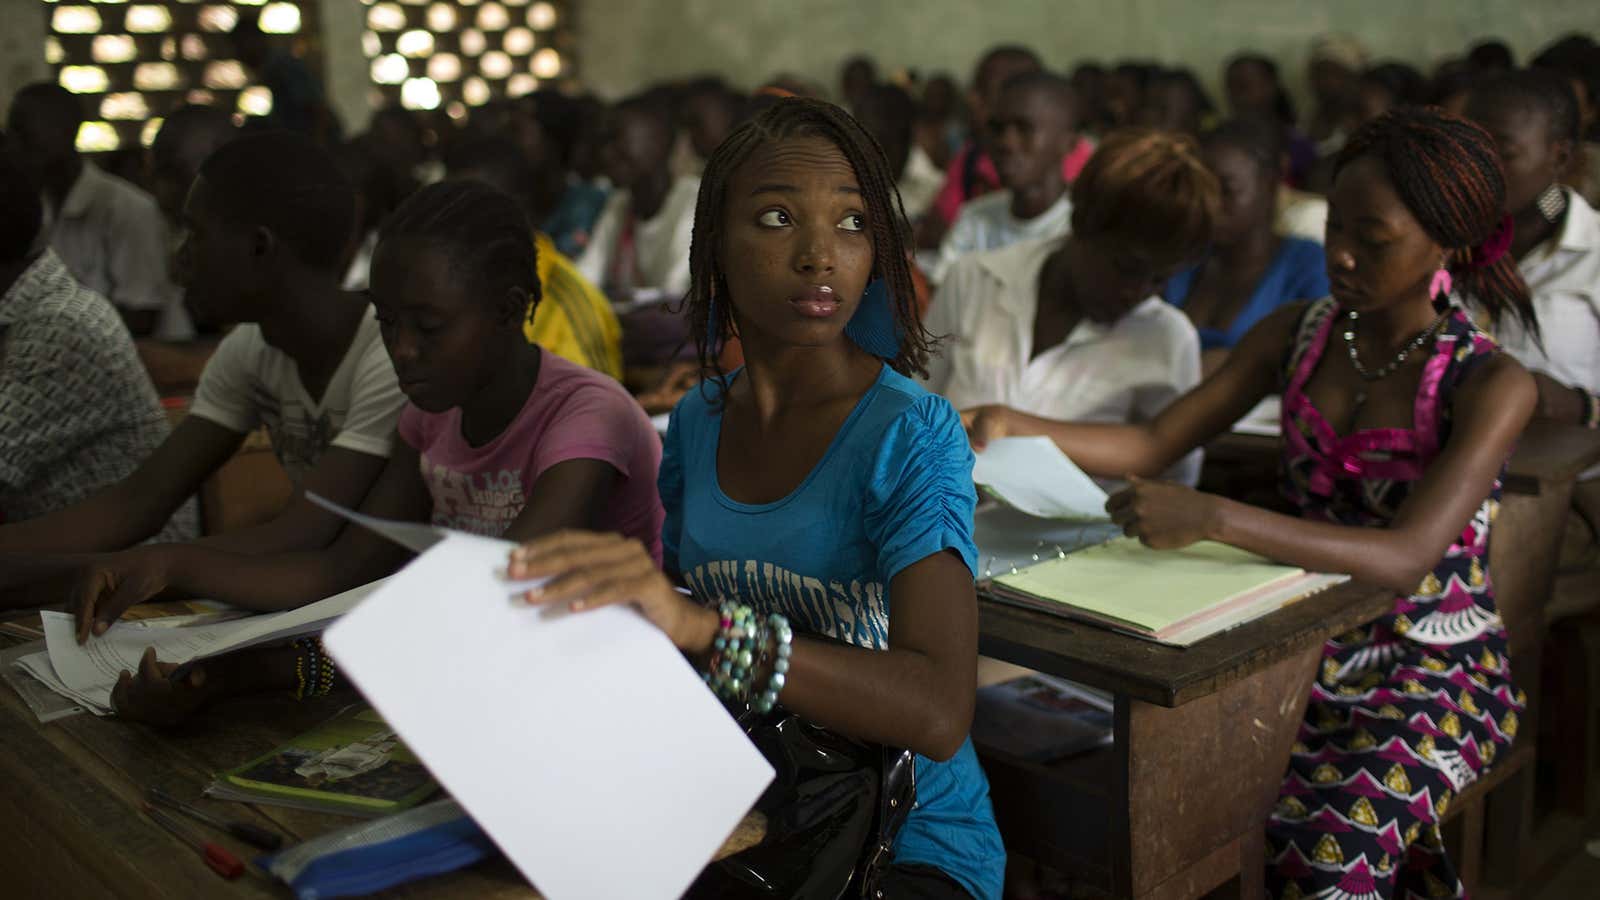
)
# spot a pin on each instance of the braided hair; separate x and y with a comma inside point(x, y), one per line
point(482, 232)
point(1448, 174)
point(706, 304)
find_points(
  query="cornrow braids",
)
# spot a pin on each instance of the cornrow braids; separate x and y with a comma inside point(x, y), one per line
point(706, 304)
point(1448, 174)
point(482, 231)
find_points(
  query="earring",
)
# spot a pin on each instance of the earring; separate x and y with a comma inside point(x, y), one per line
point(1552, 203)
point(1441, 284)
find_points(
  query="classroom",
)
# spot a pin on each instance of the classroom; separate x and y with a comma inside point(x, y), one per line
point(905, 451)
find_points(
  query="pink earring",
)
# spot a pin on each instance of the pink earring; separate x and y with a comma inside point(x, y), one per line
point(1441, 284)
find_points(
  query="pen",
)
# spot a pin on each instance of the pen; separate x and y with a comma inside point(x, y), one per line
point(215, 855)
point(254, 835)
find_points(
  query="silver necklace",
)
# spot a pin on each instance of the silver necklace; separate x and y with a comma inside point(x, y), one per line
point(1388, 368)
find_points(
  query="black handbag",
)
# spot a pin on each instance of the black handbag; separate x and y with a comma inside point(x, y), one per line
point(833, 809)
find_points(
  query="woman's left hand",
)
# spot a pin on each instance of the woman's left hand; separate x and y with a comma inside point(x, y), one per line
point(1164, 516)
point(589, 570)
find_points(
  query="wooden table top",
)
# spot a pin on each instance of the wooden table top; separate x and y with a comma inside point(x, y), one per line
point(78, 782)
point(1164, 675)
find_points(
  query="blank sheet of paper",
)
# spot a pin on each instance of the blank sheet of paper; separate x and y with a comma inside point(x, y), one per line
point(584, 744)
point(1033, 475)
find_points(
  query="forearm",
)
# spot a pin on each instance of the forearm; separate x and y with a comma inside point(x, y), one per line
point(1390, 558)
point(111, 519)
point(284, 533)
point(270, 582)
point(1103, 450)
point(898, 697)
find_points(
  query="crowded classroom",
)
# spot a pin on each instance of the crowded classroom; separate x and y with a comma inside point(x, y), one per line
point(562, 449)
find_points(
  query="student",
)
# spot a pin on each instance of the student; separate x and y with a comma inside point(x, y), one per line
point(1334, 73)
point(77, 411)
point(544, 126)
point(642, 237)
point(267, 223)
point(971, 173)
point(1399, 415)
point(573, 320)
point(1390, 84)
point(107, 232)
point(711, 110)
point(1255, 91)
point(1033, 127)
point(1071, 328)
point(640, 246)
point(1555, 239)
point(499, 438)
point(819, 465)
point(1249, 270)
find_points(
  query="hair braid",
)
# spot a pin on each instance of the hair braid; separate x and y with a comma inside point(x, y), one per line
point(1448, 174)
point(706, 303)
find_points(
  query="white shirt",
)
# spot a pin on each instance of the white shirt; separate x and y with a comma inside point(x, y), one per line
point(920, 183)
point(112, 238)
point(1301, 215)
point(249, 382)
point(986, 223)
point(1125, 372)
point(661, 243)
point(1564, 276)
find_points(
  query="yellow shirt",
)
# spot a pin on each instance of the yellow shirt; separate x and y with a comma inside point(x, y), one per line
point(574, 320)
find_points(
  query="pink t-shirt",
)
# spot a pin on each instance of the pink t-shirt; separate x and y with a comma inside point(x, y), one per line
point(572, 413)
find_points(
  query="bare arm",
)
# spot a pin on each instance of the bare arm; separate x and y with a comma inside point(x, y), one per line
point(135, 508)
point(1250, 373)
point(342, 475)
point(1492, 408)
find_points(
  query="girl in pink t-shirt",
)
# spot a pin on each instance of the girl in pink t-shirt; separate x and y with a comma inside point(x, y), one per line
point(500, 438)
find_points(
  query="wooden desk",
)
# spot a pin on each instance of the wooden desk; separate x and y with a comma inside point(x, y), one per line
point(1176, 807)
point(72, 790)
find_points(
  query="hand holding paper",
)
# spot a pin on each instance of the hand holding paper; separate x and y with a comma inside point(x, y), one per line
point(1033, 475)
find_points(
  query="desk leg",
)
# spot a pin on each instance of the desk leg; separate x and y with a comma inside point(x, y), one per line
point(1198, 782)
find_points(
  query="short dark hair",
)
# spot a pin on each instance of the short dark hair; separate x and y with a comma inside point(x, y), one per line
point(1148, 188)
point(653, 106)
point(492, 154)
point(1539, 88)
point(482, 232)
point(1576, 58)
point(1490, 55)
point(24, 212)
point(795, 117)
point(59, 106)
point(1262, 141)
point(1404, 83)
point(286, 183)
point(1007, 52)
point(1060, 90)
point(208, 126)
point(1282, 106)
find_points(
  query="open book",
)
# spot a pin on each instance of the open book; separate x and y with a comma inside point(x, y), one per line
point(1173, 597)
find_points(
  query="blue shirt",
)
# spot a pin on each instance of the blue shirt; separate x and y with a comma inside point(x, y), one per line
point(1297, 272)
point(894, 487)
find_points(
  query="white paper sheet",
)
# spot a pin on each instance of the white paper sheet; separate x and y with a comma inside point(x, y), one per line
point(566, 736)
point(1033, 475)
point(661, 422)
point(87, 672)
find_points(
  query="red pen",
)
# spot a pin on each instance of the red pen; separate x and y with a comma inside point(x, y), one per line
point(216, 856)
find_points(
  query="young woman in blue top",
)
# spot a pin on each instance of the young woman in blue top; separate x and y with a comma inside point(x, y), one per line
point(819, 481)
point(1250, 269)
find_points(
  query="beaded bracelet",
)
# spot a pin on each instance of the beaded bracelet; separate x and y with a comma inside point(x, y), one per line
point(781, 647)
point(732, 656)
point(313, 670)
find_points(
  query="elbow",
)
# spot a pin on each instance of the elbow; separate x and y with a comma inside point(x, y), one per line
point(1404, 570)
point(946, 731)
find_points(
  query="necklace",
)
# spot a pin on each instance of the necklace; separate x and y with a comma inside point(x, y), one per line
point(1388, 368)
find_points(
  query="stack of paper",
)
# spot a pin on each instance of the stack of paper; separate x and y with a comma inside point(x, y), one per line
point(86, 673)
point(1171, 596)
point(569, 737)
point(1033, 475)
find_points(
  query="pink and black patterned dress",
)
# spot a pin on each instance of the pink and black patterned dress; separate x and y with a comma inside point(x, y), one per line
point(1409, 709)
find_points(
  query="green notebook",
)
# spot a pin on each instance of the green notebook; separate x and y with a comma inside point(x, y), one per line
point(351, 764)
point(1124, 584)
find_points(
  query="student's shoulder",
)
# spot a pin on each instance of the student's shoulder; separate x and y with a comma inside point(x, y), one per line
point(578, 386)
point(901, 403)
point(124, 198)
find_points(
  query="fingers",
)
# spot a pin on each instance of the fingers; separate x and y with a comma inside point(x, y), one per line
point(1120, 501)
point(559, 552)
point(126, 594)
point(620, 579)
point(88, 589)
point(149, 668)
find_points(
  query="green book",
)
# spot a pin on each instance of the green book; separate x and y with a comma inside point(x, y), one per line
point(352, 764)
